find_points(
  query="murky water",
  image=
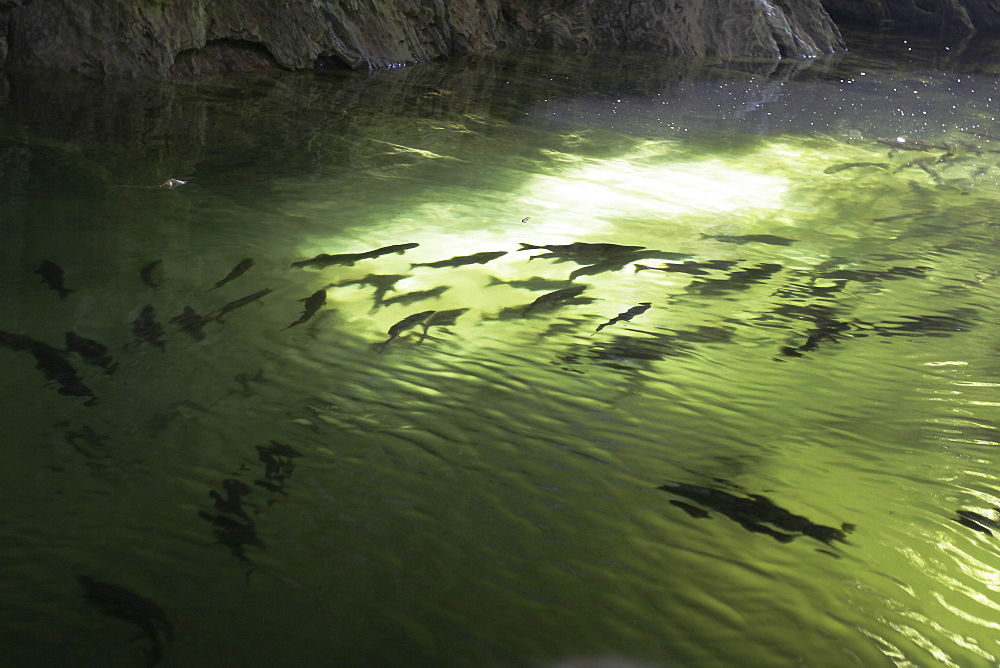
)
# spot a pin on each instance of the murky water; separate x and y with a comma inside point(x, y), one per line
point(764, 436)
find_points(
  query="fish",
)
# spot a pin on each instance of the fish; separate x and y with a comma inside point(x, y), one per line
point(91, 351)
point(146, 273)
point(146, 329)
point(619, 261)
point(904, 144)
point(237, 271)
point(118, 601)
point(52, 276)
point(923, 325)
point(406, 323)
point(88, 442)
point(581, 252)
point(978, 521)
point(735, 281)
point(16, 341)
point(383, 283)
point(741, 239)
point(277, 459)
point(691, 267)
point(839, 167)
point(758, 514)
point(191, 323)
point(239, 303)
point(535, 283)
point(445, 318)
point(463, 260)
point(323, 260)
point(823, 331)
point(625, 316)
point(232, 502)
point(613, 264)
point(416, 296)
point(313, 303)
point(555, 297)
point(233, 533)
point(52, 364)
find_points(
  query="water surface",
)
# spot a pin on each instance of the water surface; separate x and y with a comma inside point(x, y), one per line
point(765, 466)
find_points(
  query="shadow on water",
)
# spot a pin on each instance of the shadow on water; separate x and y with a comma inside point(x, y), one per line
point(394, 368)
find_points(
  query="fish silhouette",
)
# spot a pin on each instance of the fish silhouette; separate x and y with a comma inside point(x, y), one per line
point(406, 323)
point(755, 513)
point(91, 351)
point(441, 319)
point(618, 261)
point(313, 303)
point(88, 442)
point(839, 167)
point(240, 303)
point(535, 283)
point(978, 521)
point(278, 465)
point(191, 323)
point(117, 601)
point(735, 281)
point(581, 252)
point(146, 329)
point(323, 260)
point(463, 260)
point(232, 502)
point(383, 283)
point(237, 271)
point(234, 533)
point(147, 273)
point(639, 309)
point(555, 297)
point(408, 298)
point(825, 330)
point(691, 267)
point(52, 364)
point(52, 276)
point(741, 239)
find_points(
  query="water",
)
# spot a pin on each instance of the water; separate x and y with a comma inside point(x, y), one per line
point(488, 492)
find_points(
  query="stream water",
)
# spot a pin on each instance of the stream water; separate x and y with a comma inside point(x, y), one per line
point(722, 390)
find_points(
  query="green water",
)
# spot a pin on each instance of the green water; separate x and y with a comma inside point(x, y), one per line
point(821, 338)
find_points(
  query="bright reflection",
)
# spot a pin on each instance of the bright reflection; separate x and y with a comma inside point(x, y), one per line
point(595, 195)
point(662, 200)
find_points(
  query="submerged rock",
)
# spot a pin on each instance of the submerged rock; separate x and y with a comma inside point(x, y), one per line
point(167, 38)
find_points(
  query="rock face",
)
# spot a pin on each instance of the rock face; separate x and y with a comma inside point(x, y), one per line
point(950, 16)
point(164, 37)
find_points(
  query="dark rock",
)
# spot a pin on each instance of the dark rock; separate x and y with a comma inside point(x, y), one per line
point(948, 16)
point(205, 36)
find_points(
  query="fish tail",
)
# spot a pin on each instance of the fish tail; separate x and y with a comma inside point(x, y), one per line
point(528, 247)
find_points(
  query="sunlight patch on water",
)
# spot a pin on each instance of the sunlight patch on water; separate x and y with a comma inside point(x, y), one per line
point(606, 191)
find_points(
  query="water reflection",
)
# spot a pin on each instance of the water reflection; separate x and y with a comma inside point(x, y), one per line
point(406, 365)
